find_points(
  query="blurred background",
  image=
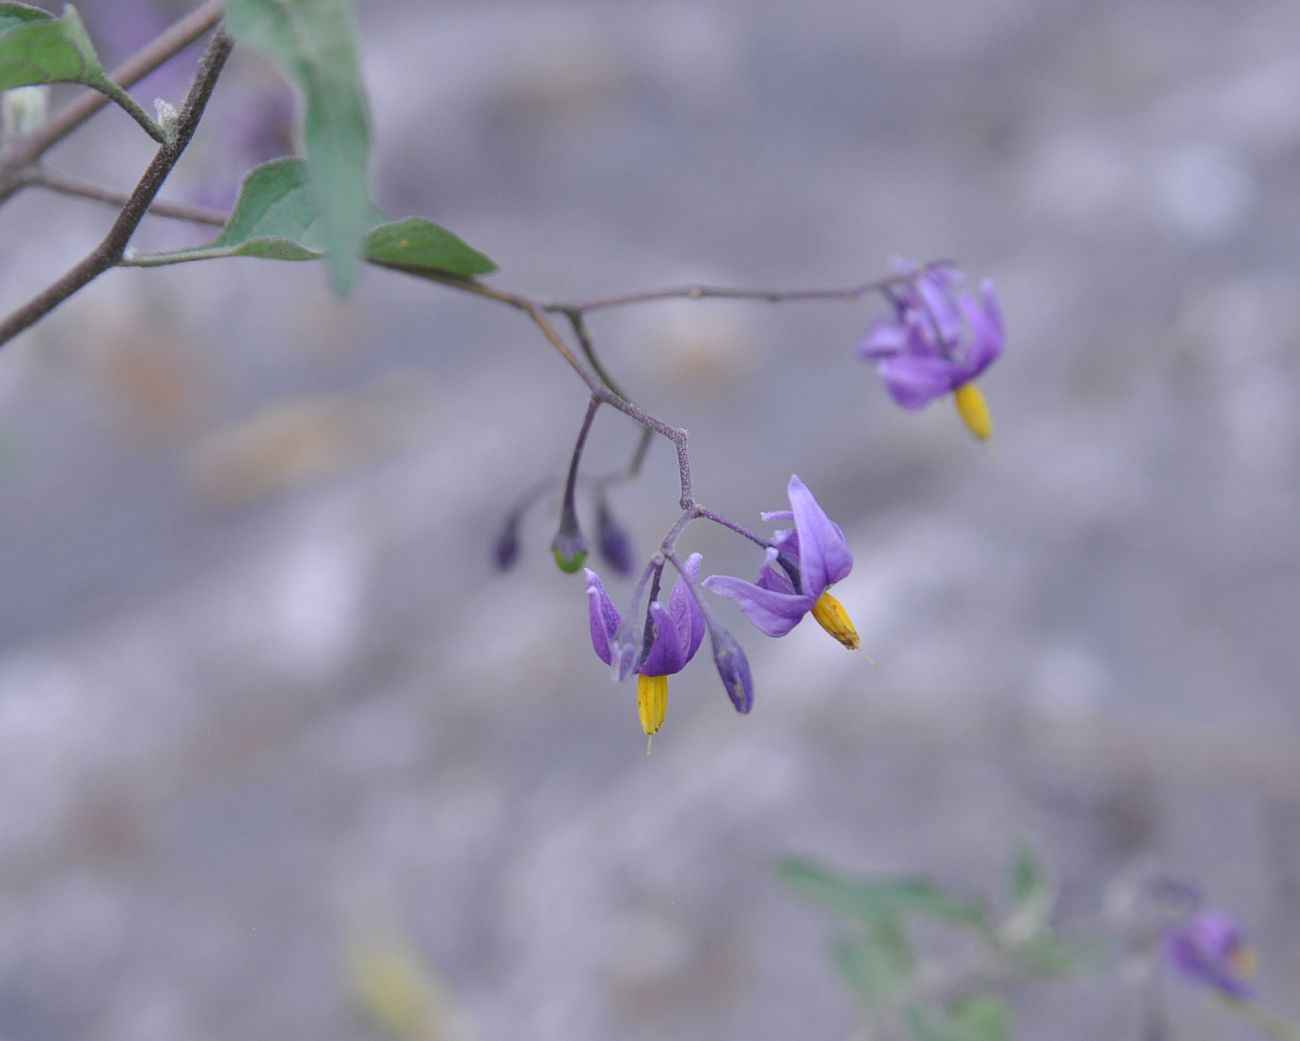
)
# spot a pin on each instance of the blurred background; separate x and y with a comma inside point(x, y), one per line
point(273, 728)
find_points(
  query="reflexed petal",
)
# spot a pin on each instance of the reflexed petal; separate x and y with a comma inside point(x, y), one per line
point(685, 611)
point(885, 339)
point(938, 308)
point(772, 613)
point(824, 556)
point(915, 382)
point(986, 335)
point(667, 653)
point(604, 616)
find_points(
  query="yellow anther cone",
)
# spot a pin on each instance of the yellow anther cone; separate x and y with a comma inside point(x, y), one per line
point(973, 410)
point(832, 617)
point(652, 704)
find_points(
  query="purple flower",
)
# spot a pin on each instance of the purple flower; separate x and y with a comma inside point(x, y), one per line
point(1208, 949)
point(801, 565)
point(939, 341)
point(673, 636)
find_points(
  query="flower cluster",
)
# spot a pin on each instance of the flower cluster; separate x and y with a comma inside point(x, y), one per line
point(938, 341)
point(801, 563)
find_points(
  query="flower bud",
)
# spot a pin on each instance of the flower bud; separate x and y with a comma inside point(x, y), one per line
point(733, 667)
point(505, 552)
point(569, 547)
point(612, 539)
point(569, 550)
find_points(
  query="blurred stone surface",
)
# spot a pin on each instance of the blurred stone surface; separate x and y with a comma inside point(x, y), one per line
point(261, 693)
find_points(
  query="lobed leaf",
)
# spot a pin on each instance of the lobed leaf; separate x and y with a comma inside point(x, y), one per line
point(314, 42)
point(36, 47)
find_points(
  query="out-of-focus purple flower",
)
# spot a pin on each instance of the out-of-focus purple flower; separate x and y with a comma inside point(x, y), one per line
point(1209, 949)
point(939, 340)
point(674, 634)
point(793, 580)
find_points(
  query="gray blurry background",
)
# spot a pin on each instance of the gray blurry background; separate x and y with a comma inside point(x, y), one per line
point(264, 704)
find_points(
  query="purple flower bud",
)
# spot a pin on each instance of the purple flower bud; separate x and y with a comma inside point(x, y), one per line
point(733, 667)
point(505, 552)
point(612, 539)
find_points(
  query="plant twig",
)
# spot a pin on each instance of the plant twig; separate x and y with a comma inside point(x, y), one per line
point(771, 296)
point(110, 250)
point(66, 184)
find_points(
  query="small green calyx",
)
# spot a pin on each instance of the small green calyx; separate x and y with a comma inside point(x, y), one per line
point(570, 562)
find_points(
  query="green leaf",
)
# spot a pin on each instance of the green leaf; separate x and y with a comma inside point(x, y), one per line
point(872, 900)
point(873, 970)
point(422, 245)
point(313, 41)
point(978, 1017)
point(278, 217)
point(36, 47)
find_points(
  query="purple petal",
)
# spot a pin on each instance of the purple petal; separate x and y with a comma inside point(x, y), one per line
point(886, 338)
point(985, 319)
point(824, 556)
point(938, 308)
point(915, 382)
point(685, 611)
point(771, 612)
point(773, 577)
point(667, 653)
point(604, 616)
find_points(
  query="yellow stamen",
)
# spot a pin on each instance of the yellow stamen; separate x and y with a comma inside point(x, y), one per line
point(652, 704)
point(973, 410)
point(832, 617)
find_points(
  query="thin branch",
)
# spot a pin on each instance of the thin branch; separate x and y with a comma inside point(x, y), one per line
point(171, 42)
point(66, 184)
point(110, 251)
point(771, 296)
